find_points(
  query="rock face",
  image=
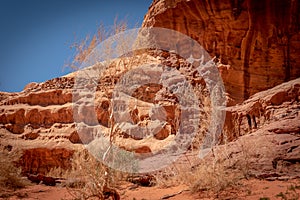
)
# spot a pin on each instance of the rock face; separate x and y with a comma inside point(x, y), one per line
point(39, 122)
point(41, 160)
point(259, 40)
point(41, 119)
point(257, 44)
point(265, 130)
point(276, 109)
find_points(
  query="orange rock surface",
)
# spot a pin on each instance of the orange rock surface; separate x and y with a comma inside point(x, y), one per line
point(259, 40)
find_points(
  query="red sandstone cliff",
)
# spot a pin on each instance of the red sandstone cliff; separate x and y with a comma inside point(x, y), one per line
point(259, 39)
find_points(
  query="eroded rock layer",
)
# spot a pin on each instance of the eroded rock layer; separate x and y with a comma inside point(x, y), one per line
point(42, 118)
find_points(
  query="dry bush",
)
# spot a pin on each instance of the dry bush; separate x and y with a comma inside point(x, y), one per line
point(168, 177)
point(222, 169)
point(86, 178)
point(10, 175)
point(89, 178)
point(225, 167)
point(212, 175)
point(82, 49)
point(248, 153)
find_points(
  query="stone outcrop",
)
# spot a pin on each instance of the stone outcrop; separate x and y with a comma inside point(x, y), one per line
point(263, 133)
point(46, 180)
point(277, 109)
point(40, 124)
point(49, 136)
point(258, 41)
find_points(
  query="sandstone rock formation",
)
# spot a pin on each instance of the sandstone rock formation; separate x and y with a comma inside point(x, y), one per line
point(257, 44)
point(261, 137)
point(259, 40)
point(41, 118)
point(266, 132)
point(276, 109)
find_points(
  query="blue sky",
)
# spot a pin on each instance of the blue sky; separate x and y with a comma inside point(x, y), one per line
point(36, 35)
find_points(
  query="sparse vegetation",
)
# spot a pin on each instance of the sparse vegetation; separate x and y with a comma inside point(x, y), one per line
point(10, 175)
point(89, 178)
point(211, 175)
point(83, 48)
point(214, 174)
point(217, 172)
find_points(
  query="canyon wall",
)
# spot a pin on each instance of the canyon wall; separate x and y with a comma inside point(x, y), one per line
point(259, 39)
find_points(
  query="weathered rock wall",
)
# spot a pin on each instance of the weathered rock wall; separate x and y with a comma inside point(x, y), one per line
point(276, 109)
point(259, 39)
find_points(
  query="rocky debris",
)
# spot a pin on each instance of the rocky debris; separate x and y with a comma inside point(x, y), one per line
point(46, 180)
point(35, 178)
point(110, 193)
point(145, 180)
point(257, 41)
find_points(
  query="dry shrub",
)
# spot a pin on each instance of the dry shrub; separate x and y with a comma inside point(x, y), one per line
point(291, 193)
point(220, 170)
point(10, 175)
point(212, 174)
point(248, 152)
point(88, 177)
point(244, 160)
point(167, 177)
point(82, 49)
point(224, 168)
